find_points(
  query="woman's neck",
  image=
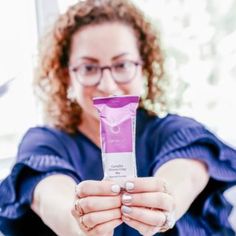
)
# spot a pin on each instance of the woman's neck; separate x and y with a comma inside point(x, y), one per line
point(90, 128)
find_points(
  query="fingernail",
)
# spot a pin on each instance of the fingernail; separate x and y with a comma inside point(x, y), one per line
point(126, 210)
point(126, 198)
point(115, 188)
point(129, 186)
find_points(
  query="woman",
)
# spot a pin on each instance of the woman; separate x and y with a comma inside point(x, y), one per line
point(56, 185)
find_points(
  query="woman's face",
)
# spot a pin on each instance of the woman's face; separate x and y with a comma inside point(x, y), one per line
point(107, 44)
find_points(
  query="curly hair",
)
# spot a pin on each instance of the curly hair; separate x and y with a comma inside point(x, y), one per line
point(52, 76)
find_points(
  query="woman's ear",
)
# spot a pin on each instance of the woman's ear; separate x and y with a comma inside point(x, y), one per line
point(71, 94)
point(70, 88)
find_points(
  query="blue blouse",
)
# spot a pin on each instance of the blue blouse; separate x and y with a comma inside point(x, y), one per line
point(44, 151)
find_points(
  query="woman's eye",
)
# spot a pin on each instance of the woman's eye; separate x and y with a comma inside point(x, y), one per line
point(88, 69)
point(122, 66)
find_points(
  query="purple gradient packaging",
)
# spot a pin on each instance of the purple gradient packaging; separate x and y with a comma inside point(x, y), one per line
point(117, 135)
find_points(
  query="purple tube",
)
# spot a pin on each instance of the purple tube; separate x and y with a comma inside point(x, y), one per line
point(117, 134)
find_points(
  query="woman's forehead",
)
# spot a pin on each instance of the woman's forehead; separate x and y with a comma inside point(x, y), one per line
point(107, 39)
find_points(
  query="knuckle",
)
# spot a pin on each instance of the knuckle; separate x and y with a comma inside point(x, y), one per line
point(86, 205)
point(89, 205)
point(90, 219)
point(81, 188)
point(83, 204)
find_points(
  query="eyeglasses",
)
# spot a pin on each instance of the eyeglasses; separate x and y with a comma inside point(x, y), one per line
point(89, 74)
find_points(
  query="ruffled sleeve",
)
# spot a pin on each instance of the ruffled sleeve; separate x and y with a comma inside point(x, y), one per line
point(42, 152)
point(180, 137)
point(199, 143)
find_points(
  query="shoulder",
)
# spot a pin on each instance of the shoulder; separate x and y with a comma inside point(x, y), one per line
point(166, 126)
point(44, 139)
point(173, 123)
point(43, 133)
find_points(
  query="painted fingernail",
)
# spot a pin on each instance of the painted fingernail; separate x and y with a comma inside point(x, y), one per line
point(126, 198)
point(126, 210)
point(129, 186)
point(115, 188)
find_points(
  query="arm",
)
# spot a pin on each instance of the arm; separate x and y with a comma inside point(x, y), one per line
point(53, 200)
point(187, 178)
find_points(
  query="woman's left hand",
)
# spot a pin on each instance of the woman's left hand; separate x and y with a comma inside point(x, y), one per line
point(148, 205)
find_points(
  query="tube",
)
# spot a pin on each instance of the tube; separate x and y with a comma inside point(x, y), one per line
point(117, 135)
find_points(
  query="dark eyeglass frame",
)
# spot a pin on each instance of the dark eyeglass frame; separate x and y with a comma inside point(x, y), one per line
point(102, 68)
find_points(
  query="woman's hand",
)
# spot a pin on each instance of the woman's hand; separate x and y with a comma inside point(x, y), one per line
point(147, 205)
point(97, 207)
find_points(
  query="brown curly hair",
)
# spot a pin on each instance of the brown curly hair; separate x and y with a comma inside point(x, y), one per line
point(52, 76)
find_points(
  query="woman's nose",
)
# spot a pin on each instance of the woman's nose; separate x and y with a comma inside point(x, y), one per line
point(107, 83)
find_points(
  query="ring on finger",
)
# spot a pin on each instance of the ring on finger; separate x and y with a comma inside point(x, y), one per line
point(166, 187)
point(169, 221)
point(78, 207)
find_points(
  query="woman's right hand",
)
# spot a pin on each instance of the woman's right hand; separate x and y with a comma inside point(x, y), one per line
point(97, 207)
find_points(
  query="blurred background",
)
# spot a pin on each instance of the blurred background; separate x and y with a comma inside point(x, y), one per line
point(198, 38)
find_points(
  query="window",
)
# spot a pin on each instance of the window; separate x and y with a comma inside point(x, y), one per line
point(17, 54)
